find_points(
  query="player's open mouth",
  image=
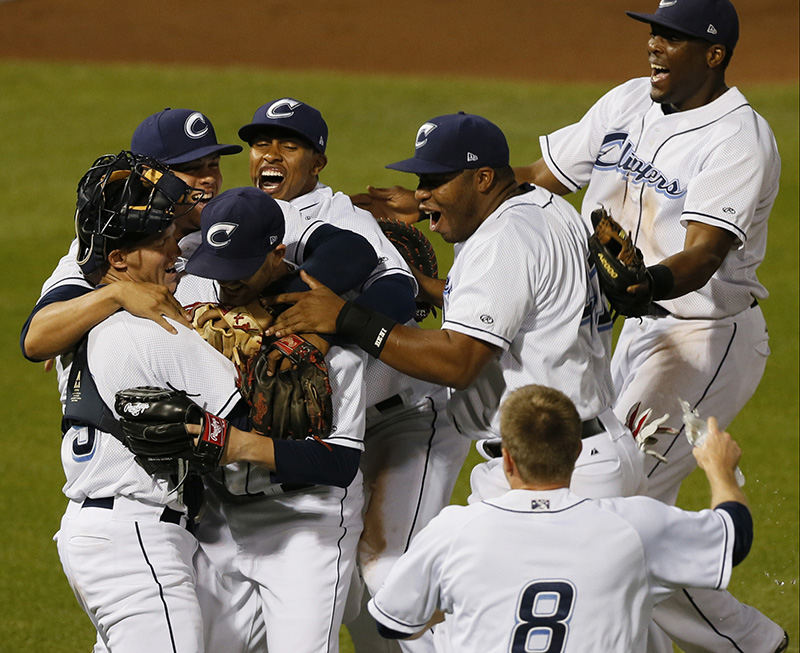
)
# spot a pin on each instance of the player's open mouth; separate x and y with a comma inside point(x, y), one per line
point(202, 197)
point(658, 73)
point(433, 216)
point(270, 179)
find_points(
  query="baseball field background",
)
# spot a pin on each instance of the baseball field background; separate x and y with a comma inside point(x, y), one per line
point(77, 77)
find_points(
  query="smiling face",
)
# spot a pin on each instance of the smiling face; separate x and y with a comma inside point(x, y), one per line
point(685, 72)
point(452, 202)
point(283, 163)
point(151, 260)
point(205, 175)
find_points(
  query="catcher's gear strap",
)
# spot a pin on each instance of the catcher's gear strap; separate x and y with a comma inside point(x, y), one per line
point(316, 462)
point(742, 528)
point(364, 327)
point(662, 281)
point(83, 406)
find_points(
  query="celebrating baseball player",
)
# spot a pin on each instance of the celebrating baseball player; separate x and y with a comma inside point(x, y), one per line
point(511, 573)
point(412, 454)
point(516, 242)
point(686, 166)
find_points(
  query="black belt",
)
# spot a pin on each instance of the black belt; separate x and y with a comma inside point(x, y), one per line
point(591, 427)
point(169, 515)
point(387, 404)
point(656, 310)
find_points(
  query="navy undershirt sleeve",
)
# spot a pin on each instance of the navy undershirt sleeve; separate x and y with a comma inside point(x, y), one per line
point(314, 462)
point(342, 260)
point(392, 295)
point(60, 294)
point(742, 528)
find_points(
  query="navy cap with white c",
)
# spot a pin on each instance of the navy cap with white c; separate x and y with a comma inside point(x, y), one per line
point(174, 136)
point(293, 115)
point(239, 228)
point(456, 141)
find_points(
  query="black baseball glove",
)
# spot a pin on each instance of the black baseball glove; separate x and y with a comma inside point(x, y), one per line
point(294, 403)
point(619, 265)
point(154, 423)
point(417, 251)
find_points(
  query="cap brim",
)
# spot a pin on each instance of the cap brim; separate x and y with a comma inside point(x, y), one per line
point(249, 132)
point(200, 152)
point(206, 264)
point(421, 167)
point(659, 20)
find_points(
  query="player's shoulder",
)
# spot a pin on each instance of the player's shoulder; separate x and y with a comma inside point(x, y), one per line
point(631, 94)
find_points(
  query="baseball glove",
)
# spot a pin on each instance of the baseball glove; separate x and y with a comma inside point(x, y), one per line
point(154, 423)
point(619, 264)
point(234, 332)
point(417, 251)
point(294, 403)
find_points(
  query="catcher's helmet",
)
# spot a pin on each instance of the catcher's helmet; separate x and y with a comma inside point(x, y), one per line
point(123, 199)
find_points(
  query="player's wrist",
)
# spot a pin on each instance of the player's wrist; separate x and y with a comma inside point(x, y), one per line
point(662, 281)
point(364, 327)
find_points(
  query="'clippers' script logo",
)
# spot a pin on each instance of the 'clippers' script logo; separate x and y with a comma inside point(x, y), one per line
point(196, 125)
point(136, 409)
point(220, 234)
point(283, 108)
point(423, 133)
point(617, 153)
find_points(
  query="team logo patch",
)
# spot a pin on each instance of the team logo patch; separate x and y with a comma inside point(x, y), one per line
point(423, 133)
point(220, 234)
point(540, 504)
point(487, 319)
point(283, 108)
point(711, 29)
point(448, 286)
point(196, 125)
point(471, 157)
point(136, 409)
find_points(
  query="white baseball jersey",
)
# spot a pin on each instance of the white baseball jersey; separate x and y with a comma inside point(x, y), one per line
point(123, 352)
point(542, 593)
point(717, 164)
point(522, 282)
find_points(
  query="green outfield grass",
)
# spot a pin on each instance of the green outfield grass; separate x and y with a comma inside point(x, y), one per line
point(57, 118)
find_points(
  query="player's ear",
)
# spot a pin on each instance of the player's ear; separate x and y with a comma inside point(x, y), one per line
point(484, 179)
point(509, 468)
point(118, 259)
point(715, 55)
point(320, 161)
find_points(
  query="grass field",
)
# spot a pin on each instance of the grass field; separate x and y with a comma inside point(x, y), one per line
point(57, 119)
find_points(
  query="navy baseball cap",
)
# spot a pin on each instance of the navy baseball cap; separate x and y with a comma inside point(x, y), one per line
point(453, 142)
point(239, 228)
point(713, 20)
point(175, 136)
point(290, 114)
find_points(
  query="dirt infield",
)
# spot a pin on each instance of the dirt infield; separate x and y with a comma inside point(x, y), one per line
point(555, 40)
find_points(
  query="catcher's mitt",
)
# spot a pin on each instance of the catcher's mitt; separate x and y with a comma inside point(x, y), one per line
point(417, 251)
point(234, 332)
point(292, 404)
point(619, 264)
point(154, 423)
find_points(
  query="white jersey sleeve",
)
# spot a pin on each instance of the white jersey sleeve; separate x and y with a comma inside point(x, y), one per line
point(682, 548)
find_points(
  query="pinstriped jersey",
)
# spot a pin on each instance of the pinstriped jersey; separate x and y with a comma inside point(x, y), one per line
point(655, 172)
point(552, 571)
point(522, 282)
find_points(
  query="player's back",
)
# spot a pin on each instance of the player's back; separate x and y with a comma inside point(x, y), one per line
point(546, 571)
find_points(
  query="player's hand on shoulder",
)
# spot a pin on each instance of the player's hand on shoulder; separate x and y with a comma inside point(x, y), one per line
point(395, 202)
point(313, 311)
point(152, 301)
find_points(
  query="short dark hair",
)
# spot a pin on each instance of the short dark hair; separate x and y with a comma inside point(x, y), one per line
point(541, 430)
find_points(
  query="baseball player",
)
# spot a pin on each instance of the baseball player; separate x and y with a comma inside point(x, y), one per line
point(691, 171)
point(121, 522)
point(413, 454)
point(512, 573)
point(517, 243)
point(286, 550)
point(186, 142)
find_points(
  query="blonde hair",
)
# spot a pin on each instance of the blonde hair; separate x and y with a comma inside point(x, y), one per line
point(541, 430)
